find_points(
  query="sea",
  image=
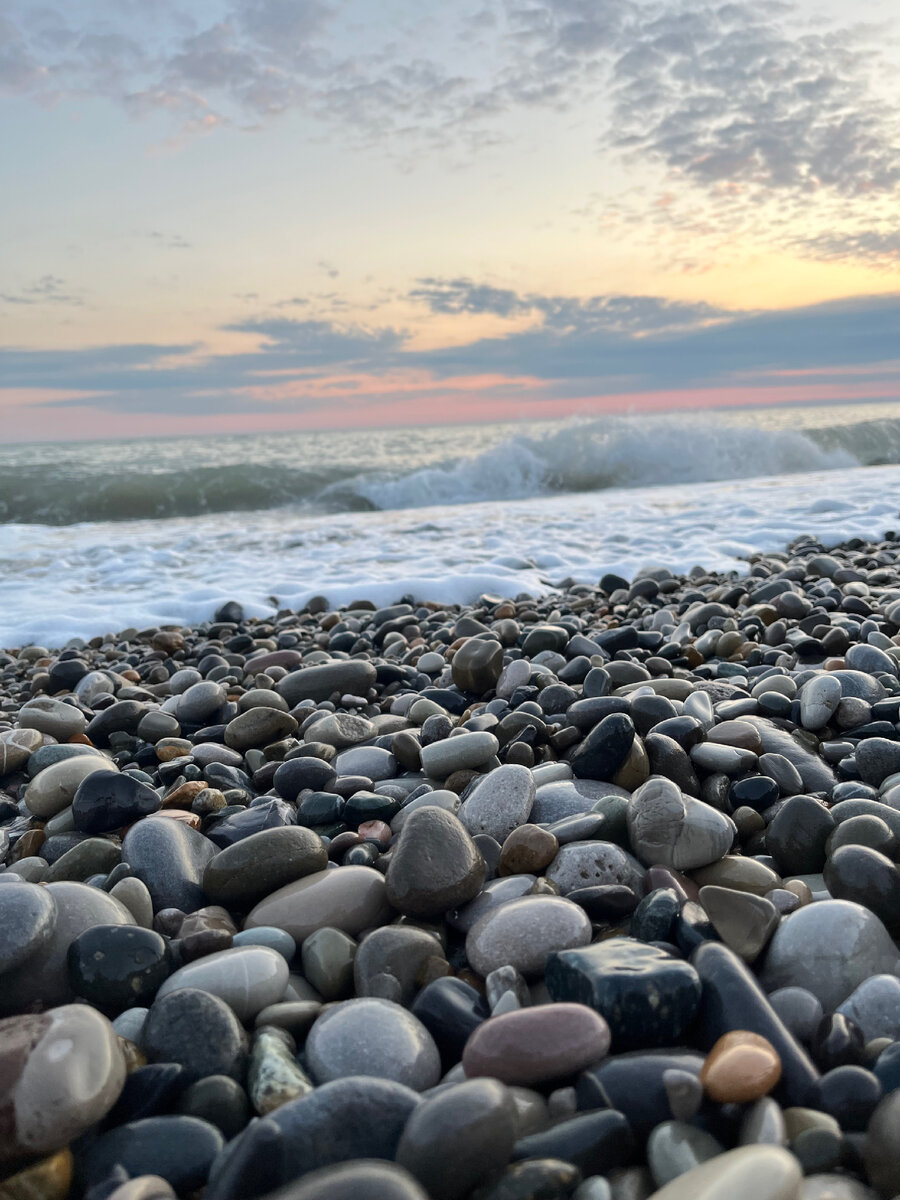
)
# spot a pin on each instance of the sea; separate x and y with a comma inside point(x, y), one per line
point(98, 537)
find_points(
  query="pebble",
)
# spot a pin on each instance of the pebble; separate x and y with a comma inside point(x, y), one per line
point(535, 1045)
point(243, 874)
point(27, 920)
point(340, 1043)
point(435, 865)
point(670, 829)
point(747, 1173)
point(247, 978)
point(178, 1149)
point(523, 933)
point(62, 1071)
point(740, 1068)
point(198, 1031)
point(499, 802)
point(55, 787)
point(118, 966)
point(169, 858)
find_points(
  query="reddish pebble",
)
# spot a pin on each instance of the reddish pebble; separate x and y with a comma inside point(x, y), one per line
point(377, 832)
point(534, 1045)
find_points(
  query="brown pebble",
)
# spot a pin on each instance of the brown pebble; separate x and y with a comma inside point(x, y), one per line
point(527, 850)
point(740, 1068)
point(376, 831)
point(49, 1179)
point(534, 1045)
point(185, 793)
point(176, 814)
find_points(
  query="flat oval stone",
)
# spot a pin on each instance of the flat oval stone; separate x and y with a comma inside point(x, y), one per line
point(247, 978)
point(467, 751)
point(471, 1125)
point(27, 918)
point(372, 1037)
point(42, 980)
point(435, 865)
point(258, 727)
point(55, 717)
point(54, 788)
point(355, 676)
point(535, 1045)
point(105, 801)
point(522, 933)
point(740, 1068)
point(647, 997)
point(499, 802)
point(348, 898)
point(62, 1071)
point(829, 948)
point(243, 874)
point(169, 858)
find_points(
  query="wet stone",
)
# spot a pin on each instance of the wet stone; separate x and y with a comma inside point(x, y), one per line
point(243, 874)
point(435, 865)
point(198, 1031)
point(523, 933)
point(106, 801)
point(341, 1044)
point(27, 919)
point(538, 1044)
point(118, 966)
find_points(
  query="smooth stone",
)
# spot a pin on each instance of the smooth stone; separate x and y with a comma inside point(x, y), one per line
point(266, 935)
point(876, 759)
point(200, 702)
point(743, 921)
point(27, 919)
point(816, 775)
point(747, 1173)
point(740, 1068)
point(118, 966)
point(258, 727)
point(471, 1125)
point(535, 1045)
point(42, 980)
point(874, 1007)
point(169, 858)
point(130, 1024)
point(595, 1142)
point(105, 801)
point(328, 956)
point(763, 1124)
point(339, 730)
point(670, 829)
point(243, 874)
point(353, 676)
point(348, 898)
point(734, 1000)
point(54, 788)
point(62, 1071)
point(829, 948)
point(522, 933)
point(593, 864)
point(647, 997)
point(17, 746)
point(560, 798)
point(371, 762)
point(60, 720)
point(477, 665)
point(863, 875)
point(365, 1177)
point(400, 952)
point(467, 751)
point(450, 1009)
point(198, 1031)
point(730, 760)
point(674, 1148)
point(179, 1149)
point(297, 774)
point(799, 1010)
point(797, 836)
point(684, 1093)
point(247, 978)
point(605, 749)
point(881, 1149)
point(435, 865)
point(219, 1100)
point(372, 1037)
point(93, 856)
point(529, 849)
point(634, 1084)
point(499, 802)
point(134, 895)
point(739, 873)
point(818, 700)
point(354, 1118)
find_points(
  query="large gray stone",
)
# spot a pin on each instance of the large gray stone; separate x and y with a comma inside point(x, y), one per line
point(375, 1037)
point(499, 802)
point(353, 676)
point(670, 829)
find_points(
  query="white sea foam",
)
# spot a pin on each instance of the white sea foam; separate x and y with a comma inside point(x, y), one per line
point(82, 580)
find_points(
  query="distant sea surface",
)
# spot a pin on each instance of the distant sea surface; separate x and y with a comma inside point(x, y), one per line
point(99, 536)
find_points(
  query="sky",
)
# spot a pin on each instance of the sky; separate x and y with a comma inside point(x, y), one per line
point(237, 215)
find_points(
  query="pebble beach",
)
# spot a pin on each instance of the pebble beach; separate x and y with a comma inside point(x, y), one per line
point(589, 891)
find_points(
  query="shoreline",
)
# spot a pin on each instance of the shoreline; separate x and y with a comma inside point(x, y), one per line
point(384, 868)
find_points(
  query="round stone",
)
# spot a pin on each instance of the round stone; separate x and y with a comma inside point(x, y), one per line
point(477, 665)
point(740, 1068)
point(196, 1030)
point(522, 933)
point(348, 898)
point(247, 978)
point(535, 1045)
point(105, 801)
point(258, 727)
point(748, 1173)
point(118, 966)
point(179, 1149)
point(528, 849)
point(27, 918)
point(670, 829)
point(435, 865)
point(499, 802)
point(467, 751)
point(372, 1037)
point(593, 864)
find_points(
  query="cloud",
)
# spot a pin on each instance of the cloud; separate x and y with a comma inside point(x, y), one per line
point(605, 345)
point(49, 289)
point(464, 296)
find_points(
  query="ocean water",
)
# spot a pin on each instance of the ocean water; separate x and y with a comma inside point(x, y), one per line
point(96, 537)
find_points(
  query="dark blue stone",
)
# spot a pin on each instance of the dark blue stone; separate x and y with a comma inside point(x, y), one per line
point(148, 1092)
point(887, 1068)
point(273, 814)
point(850, 1094)
point(118, 966)
point(450, 1010)
point(647, 997)
point(733, 999)
point(596, 1142)
point(369, 806)
point(654, 918)
point(605, 748)
point(106, 801)
point(633, 1084)
point(757, 791)
point(297, 774)
point(180, 1149)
